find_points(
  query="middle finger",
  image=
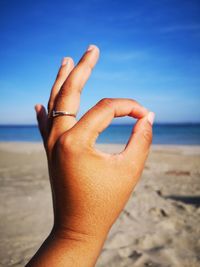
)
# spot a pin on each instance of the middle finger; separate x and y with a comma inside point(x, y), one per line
point(68, 98)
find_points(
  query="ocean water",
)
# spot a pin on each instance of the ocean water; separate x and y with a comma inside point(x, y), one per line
point(181, 134)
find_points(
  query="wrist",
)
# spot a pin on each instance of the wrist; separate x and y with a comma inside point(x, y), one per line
point(79, 229)
point(68, 248)
point(67, 235)
point(76, 248)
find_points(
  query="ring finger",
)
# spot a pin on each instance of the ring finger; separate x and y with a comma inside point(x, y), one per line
point(66, 67)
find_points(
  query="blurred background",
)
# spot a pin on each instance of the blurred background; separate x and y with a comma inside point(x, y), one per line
point(150, 51)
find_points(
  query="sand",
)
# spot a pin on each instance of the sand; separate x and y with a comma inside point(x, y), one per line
point(160, 225)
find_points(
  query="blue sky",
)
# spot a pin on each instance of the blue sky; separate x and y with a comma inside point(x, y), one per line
point(150, 51)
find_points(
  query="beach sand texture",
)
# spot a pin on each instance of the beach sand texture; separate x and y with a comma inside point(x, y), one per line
point(159, 227)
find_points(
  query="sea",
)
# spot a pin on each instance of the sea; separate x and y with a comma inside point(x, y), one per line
point(179, 134)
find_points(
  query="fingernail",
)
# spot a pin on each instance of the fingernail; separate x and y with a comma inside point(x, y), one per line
point(38, 107)
point(35, 108)
point(64, 61)
point(151, 117)
point(91, 47)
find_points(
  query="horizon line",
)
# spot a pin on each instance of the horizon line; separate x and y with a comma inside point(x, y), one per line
point(115, 124)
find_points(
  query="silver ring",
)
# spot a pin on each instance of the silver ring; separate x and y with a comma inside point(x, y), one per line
point(56, 113)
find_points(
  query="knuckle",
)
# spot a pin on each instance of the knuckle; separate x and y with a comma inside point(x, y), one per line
point(106, 102)
point(134, 101)
point(65, 141)
point(88, 69)
point(68, 143)
point(86, 64)
point(68, 88)
point(68, 85)
point(147, 135)
point(90, 66)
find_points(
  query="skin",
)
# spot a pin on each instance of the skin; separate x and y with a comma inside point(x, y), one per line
point(89, 188)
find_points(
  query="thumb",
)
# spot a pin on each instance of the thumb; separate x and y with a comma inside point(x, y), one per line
point(137, 148)
point(42, 121)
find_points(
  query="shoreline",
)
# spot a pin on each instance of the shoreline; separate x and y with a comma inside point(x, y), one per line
point(37, 146)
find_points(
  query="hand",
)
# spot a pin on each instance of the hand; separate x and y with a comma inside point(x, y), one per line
point(89, 187)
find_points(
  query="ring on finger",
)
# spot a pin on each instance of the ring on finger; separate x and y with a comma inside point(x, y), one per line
point(56, 113)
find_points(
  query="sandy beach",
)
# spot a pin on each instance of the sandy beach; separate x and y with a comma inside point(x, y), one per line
point(159, 227)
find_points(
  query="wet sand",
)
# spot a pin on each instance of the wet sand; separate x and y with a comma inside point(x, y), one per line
point(159, 227)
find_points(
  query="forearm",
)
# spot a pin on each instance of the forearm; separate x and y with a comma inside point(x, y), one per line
point(73, 251)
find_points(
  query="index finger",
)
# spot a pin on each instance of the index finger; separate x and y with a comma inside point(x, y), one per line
point(100, 116)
